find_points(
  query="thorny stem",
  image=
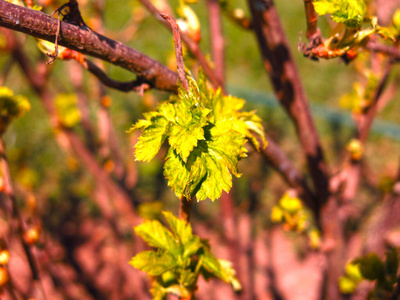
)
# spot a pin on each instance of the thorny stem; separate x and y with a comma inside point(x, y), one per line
point(178, 50)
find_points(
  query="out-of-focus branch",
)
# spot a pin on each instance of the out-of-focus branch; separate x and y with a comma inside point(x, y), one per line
point(367, 119)
point(15, 213)
point(139, 84)
point(122, 202)
point(86, 41)
point(311, 17)
point(391, 51)
point(274, 156)
point(217, 40)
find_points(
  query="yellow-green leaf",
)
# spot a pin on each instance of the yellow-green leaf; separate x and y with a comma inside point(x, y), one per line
point(350, 12)
point(156, 235)
point(153, 263)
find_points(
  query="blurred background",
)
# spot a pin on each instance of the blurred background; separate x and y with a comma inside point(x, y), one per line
point(82, 254)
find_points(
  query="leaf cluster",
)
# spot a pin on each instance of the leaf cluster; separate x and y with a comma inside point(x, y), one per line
point(295, 217)
point(206, 134)
point(11, 107)
point(371, 267)
point(179, 258)
point(349, 12)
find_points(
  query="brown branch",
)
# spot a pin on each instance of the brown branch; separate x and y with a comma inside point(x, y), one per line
point(311, 18)
point(280, 65)
point(274, 156)
point(367, 119)
point(184, 209)
point(391, 51)
point(88, 42)
point(136, 85)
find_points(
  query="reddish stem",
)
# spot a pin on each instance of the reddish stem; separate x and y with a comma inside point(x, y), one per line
point(178, 50)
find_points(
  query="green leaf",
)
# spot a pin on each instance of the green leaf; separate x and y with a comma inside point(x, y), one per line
point(221, 269)
point(156, 235)
point(392, 264)
point(153, 263)
point(183, 231)
point(353, 271)
point(371, 267)
point(187, 278)
point(67, 110)
point(206, 133)
point(176, 172)
point(347, 285)
point(152, 138)
point(11, 107)
point(188, 129)
point(349, 12)
point(158, 291)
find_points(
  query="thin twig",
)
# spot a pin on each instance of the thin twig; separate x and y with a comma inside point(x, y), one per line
point(367, 119)
point(139, 84)
point(192, 45)
point(54, 56)
point(178, 50)
point(217, 40)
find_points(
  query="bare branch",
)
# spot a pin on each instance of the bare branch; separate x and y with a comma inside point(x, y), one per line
point(127, 86)
point(274, 156)
point(280, 65)
point(88, 42)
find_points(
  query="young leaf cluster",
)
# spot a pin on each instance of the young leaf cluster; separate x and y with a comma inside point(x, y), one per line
point(295, 217)
point(179, 258)
point(206, 134)
point(371, 267)
point(349, 12)
point(11, 107)
point(353, 29)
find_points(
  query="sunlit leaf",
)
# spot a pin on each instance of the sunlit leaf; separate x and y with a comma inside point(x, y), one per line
point(153, 263)
point(350, 12)
point(206, 133)
point(156, 235)
point(221, 269)
point(11, 107)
